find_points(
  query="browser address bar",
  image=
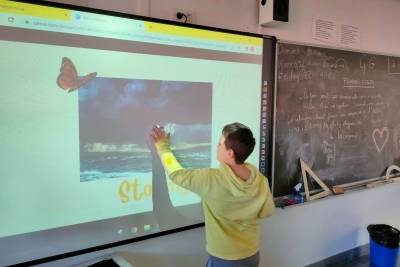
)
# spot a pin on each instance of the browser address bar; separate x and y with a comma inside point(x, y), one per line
point(120, 34)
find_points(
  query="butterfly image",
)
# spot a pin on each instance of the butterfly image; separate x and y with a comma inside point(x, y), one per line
point(68, 78)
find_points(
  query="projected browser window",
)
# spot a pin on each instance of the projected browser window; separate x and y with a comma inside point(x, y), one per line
point(79, 93)
point(89, 24)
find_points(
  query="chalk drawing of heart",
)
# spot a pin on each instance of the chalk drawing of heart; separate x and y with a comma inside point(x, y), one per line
point(384, 129)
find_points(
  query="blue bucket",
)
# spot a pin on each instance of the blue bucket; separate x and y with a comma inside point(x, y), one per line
point(381, 256)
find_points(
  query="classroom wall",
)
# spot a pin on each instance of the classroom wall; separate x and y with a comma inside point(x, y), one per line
point(300, 235)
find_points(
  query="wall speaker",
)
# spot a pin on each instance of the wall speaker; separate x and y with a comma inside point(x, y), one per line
point(274, 12)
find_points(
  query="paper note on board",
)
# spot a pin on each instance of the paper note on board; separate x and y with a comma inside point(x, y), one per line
point(349, 35)
point(324, 29)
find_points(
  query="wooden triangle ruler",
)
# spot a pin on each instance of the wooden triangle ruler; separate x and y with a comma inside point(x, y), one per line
point(304, 170)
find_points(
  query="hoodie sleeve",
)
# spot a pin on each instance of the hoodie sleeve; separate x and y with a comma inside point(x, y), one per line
point(197, 181)
point(269, 205)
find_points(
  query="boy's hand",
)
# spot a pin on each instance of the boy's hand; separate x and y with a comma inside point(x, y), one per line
point(158, 134)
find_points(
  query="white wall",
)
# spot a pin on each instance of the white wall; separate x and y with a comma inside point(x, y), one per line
point(310, 232)
point(377, 18)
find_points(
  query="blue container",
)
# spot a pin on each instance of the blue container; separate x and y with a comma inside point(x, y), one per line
point(381, 256)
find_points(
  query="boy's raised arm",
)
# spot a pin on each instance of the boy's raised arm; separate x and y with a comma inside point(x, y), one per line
point(197, 181)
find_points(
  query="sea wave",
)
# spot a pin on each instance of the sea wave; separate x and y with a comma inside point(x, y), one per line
point(93, 175)
point(96, 166)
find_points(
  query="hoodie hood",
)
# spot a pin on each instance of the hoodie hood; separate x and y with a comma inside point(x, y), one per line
point(237, 186)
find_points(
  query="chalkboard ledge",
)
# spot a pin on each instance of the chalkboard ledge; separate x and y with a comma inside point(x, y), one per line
point(349, 190)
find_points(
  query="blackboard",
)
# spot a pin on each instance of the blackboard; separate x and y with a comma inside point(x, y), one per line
point(339, 111)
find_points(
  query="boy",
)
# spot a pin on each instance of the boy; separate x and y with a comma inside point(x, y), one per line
point(234, 196)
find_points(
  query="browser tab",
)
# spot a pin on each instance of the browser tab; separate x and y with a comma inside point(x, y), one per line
point(201, 34)
point(34, 10)
point(89, 18)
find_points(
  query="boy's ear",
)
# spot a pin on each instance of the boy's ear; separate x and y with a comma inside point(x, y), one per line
point(231, 154)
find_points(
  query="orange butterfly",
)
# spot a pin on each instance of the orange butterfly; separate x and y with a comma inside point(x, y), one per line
point(68, 78)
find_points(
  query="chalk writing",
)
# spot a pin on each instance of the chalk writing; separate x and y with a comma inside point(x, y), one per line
point(343, 105)
point(393, 66)
point(381, 134)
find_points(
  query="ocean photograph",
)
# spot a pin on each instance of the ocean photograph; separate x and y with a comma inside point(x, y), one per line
point(116, 116)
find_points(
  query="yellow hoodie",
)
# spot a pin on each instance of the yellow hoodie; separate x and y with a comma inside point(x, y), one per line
point(231, 206)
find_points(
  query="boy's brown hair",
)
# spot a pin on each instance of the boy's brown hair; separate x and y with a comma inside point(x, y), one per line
point(239, 138)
